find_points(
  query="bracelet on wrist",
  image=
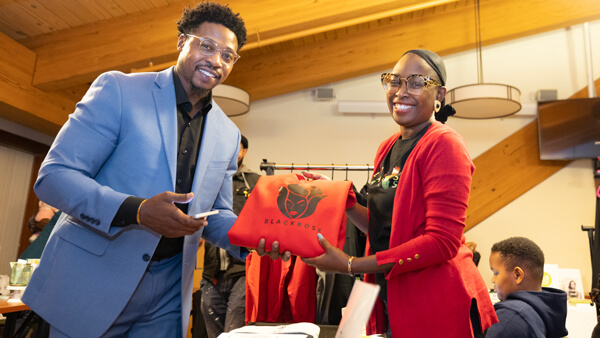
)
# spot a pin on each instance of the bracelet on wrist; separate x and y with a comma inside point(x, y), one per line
point(350, 259)
point(137, 216)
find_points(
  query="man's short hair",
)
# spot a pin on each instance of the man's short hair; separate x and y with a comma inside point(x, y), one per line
point(521, 252)
point(244, 142)
point(215, 13)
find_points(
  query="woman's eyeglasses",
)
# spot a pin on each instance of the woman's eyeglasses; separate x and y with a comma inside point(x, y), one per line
point(414, 84)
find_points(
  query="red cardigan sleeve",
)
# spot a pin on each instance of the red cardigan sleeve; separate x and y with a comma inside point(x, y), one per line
point(430, 204)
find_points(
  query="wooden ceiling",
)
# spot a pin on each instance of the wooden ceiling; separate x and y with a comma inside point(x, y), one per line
point(53, 49)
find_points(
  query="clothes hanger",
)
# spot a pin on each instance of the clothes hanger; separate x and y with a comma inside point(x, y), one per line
point(346, 171)
point(332, 170)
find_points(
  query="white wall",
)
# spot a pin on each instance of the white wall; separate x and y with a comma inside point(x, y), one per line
point(295, 128)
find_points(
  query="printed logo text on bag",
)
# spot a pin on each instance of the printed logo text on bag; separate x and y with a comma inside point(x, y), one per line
point(295, 202)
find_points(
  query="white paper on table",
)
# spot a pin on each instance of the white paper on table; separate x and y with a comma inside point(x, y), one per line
point(358, 310)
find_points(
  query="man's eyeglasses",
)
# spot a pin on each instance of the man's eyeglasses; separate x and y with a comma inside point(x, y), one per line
point(414, 84)
point(210, 47)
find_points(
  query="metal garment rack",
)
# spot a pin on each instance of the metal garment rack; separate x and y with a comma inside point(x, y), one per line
point(270, 167)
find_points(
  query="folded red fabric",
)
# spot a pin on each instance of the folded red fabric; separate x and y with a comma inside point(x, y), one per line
point(291, 210)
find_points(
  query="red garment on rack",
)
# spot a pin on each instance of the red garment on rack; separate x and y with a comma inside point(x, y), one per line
point(291, 210)
point(278, 291)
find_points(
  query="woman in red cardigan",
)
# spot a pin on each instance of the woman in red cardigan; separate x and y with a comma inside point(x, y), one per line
point(417, 202)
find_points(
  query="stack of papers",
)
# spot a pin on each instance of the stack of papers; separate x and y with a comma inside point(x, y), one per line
point(297, 330)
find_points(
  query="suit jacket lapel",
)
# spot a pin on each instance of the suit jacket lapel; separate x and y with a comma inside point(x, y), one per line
point(166, 109)
point(210, 140)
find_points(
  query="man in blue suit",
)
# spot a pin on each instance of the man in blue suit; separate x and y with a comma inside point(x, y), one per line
point(139, 155)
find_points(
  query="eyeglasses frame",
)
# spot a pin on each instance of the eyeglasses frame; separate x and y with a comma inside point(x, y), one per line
point(429, 82)
point(220, 50)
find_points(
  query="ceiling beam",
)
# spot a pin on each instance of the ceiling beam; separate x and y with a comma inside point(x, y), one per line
point(22, 103)
point(445, 31)
point(70, 57)
point(76, 56)
point(506, 171)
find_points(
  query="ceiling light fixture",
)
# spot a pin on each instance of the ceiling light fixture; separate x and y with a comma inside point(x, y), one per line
point(233, 100)
point(483, 100)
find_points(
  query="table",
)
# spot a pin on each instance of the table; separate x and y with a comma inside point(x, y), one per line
point(12, 306)
point(581, 319)
point(13, 310)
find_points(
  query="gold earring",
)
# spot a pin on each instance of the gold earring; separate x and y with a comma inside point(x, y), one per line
point(437, 105)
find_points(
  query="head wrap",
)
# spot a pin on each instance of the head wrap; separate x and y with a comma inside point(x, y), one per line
point(437, 64)
point(433, 60)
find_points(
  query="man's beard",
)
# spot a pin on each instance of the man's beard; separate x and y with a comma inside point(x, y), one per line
point(240, 162)
point(198, 91)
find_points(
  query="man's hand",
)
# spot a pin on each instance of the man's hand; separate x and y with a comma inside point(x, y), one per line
point(274, 253)
point(161, 215)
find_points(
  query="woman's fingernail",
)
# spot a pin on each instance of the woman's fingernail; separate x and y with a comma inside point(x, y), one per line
point(320, 236)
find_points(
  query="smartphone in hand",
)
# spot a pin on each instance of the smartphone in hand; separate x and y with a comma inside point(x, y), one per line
point(205, 214)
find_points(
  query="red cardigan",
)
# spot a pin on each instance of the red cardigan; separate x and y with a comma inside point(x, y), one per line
point(431, 286)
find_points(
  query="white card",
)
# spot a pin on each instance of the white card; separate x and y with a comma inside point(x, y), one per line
point(206, 214)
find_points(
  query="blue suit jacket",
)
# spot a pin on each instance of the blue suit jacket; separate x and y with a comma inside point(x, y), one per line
point(122, 141)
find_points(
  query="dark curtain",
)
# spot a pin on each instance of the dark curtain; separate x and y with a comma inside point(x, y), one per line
point(596, 241)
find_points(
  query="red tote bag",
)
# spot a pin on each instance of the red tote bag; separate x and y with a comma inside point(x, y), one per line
point(292, 210)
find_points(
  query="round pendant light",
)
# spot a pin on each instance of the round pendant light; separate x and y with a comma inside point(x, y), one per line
point(233, 100)
point(483, 100)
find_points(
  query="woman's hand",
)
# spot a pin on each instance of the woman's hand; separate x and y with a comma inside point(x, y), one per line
point(333, 260)
point(314, 176)
point(274, 253)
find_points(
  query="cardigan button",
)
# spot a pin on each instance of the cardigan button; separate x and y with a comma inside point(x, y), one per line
point(401, 262)
point(409, 259)
point(146, 257)
point(417, 256)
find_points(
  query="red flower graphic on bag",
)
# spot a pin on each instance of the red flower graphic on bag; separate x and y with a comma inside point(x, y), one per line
point(295, 201)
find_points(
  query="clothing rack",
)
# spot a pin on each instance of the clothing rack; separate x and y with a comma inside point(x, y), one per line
point(270, 167)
